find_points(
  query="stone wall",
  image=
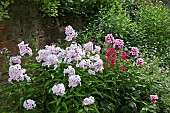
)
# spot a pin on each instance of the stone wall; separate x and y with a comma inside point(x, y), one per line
point(26, 23)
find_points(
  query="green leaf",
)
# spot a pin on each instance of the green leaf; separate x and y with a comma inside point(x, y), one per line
point(95, 108)
point(80, 111)
point(65, 106)
point(79, 95)
point(96, 92)
point(76, 103)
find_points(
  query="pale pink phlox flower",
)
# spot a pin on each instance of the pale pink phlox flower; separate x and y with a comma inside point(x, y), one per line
point(29, 104)
point(51, 60)
point(15, 60)
point(98, 65)
point(91, 72)
point(74, 53)
point(96, 50)
point(88, 47)
point(42, 55)
point(24, 49)
point(17, 73)
point(70, 71)
point(70, 33)
point(59, 89)
point(74, 81)
point(89, 101)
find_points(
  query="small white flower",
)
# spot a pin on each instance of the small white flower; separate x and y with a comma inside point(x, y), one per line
point(91, 72)
point(29, 104)
point(89, 101)
point(59, 89)
point(74, 80)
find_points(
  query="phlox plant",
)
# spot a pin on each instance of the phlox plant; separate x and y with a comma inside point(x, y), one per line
point(78, 78)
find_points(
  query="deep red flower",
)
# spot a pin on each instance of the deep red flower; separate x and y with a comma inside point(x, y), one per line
point(123, 69)
point(107, 59)
point(91, 40)
point(113, 62)
point(124, 55)
point(104, 65)
point(110, 51)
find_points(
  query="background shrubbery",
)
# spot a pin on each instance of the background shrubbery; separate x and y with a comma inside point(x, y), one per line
point(144, 24)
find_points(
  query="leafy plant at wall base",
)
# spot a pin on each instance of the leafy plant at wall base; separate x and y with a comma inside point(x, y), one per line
point(3, 10)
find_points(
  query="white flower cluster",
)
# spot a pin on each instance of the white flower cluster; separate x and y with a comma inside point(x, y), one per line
point(74, 80)
point(88, 47)
point(70, 33)
point(70, 71)
point(51, 55)
point(94, 63)
point(15, 70)
point(17, 73)
point(24, 49)
point(15, 60)
point(89, 101)
point(29, 104)
point(59, 89)
point(74, 53)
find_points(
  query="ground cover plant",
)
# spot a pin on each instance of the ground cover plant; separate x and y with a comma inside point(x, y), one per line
point(91, 78)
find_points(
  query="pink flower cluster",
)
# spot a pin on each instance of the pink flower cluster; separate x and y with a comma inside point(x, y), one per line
point(109, 39)
point(59, 89)
point(17, 73)
point(117, 43)
point(153, 98)
point(134, 51)
point(70, 33)
point(111, 52)
point(29, 104)
point(139, 61)
point(89, 101)
point(24, 49)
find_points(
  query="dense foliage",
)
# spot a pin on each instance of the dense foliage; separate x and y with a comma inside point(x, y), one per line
point(72, 79)
point(144, 25)
point(54, 8)
point(3, 10)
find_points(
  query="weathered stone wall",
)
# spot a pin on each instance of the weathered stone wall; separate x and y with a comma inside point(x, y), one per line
point(26, 23)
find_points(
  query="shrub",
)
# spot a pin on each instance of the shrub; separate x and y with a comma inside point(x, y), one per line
point(142, 25)
point(73, 79)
